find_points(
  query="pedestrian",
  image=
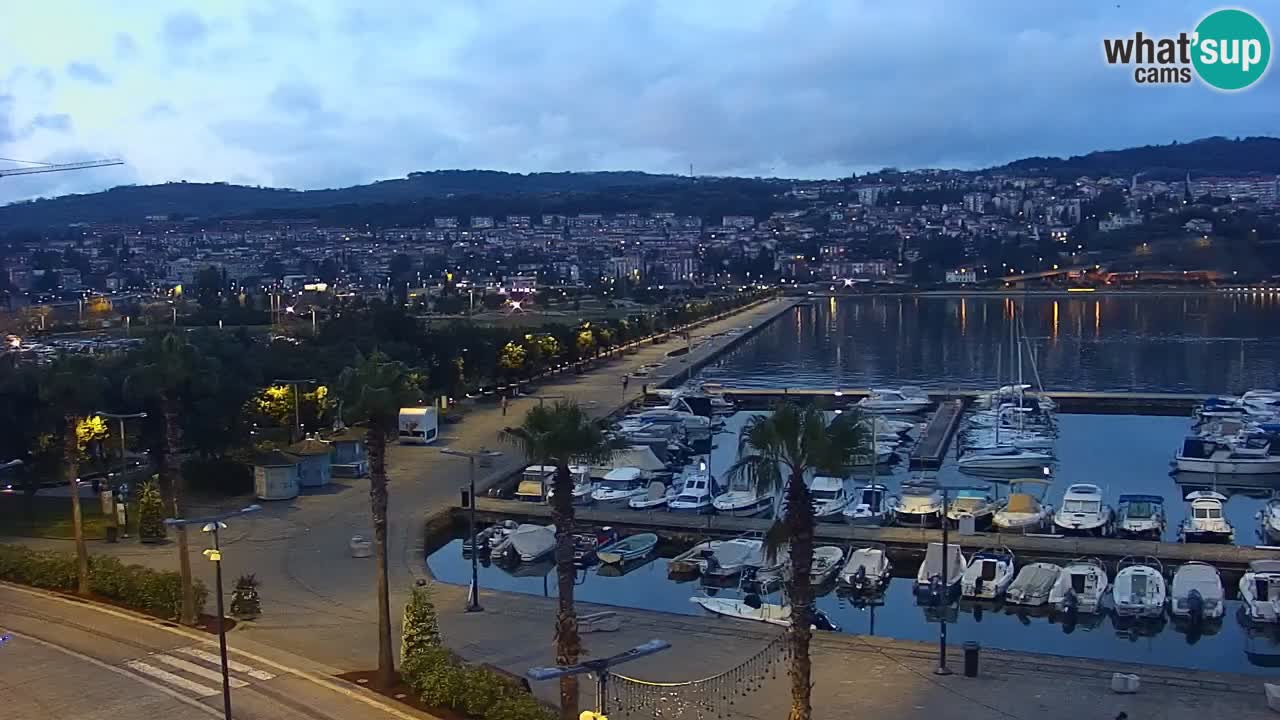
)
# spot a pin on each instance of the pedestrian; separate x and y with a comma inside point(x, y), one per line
point(505, 402)
point(625, 380)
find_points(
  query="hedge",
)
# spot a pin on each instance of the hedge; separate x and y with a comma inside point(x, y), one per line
point(150, 591)
point(443, 681)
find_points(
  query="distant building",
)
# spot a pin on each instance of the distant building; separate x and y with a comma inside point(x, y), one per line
point(445, 222)
point(481, 222)
point(1119, 222)
point(976, 202)
point(1199, 226)
point(962, 276)
point(742, 222)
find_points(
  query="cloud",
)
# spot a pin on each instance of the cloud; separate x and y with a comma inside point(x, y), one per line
point(87, 72)
point(183, 30)
point(60, 122)
point(125, 47)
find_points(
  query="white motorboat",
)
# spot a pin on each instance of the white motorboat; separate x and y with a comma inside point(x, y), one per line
point(1216, 455)
point(1269, 522)
point(830, 497)
point(918, 505)
point(1139, 589)
point(869, 506)
point(655, 497)
point(1083, 512)
point(902, 400)
point(500, 543)
point(695, 497)
point(1080, 587)
point(532, 543)
point(989, 574)
point(689, 563)
point(867, 570)
point(976, 504)
point(727, 560)
point(752, 608)
point(619, 486)
point(743, 500)
point(932, 587)
point(1205, 522)
point(1033, 584)
point(882, 455)
point(1002, 457)
point(1260, 591)
point(1196, 593)
point(1140, 517)
point(1022, 511)
point(583, 485)
point(827, 561)
point(627, 548)
point(1018, 439)
point(484, 540)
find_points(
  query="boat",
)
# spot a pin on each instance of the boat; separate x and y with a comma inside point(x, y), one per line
point(1002, 457)
point(532, 543)
point(752, 608)
point(989, 574)
point(918, 505)
point(727, 560)
point(976, 504)
point(484, 539)
point(867, 570)
point(882, 455)
point(689, 563)
point(1139, 589)
point(535, 483)
point(656, 496)
point(932, 587)
point(1023, 511)
point(1217, 456)
point(627, 548)
point(1205, 522)
point(1140, 517)
point(695, 497)
point(830, 498)
point(1269, 522)
point(583, 485)
point(1083, 512)
point(585, 544)
point(619, 486)
point(500, 547)
point(1260, 591)
point(743, 500)
point(1196, 593)
point(903, 400)
point(869, 506)
point(1080, 587)
point(827, 561)
point(1033, 584)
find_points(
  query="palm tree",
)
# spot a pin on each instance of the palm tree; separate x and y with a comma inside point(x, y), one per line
point(72, 388)
point(373, 391)
point(172, 366)
point(559, 435)
point(779, 451)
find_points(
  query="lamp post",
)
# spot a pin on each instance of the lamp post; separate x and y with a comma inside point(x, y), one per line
point(121, 417)
point(213, 524)
point(600, 667)
point(945, 598)
point(297, 424)
point(473, 593)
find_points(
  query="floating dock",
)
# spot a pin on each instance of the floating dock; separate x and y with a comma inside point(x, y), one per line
point(906, 543)
point(1093, 403)
point(936, 439)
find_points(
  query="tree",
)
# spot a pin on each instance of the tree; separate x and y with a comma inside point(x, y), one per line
point(373, 391)
point(511, 357)
point(72, 389)
point(151, 526)
point(779, 451)
point(420, 628)
point(560, 435)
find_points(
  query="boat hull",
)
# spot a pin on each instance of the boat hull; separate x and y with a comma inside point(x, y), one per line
point(1207, 536)
point(924, 519)
point(751, 509)
point(1229, 467)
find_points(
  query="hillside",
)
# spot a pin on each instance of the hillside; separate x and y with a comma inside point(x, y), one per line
point(1207, 156)
point(132, 203)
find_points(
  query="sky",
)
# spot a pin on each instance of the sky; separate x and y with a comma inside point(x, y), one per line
point(315, 93)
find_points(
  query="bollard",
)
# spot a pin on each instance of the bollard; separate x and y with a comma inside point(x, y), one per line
point(971, 650)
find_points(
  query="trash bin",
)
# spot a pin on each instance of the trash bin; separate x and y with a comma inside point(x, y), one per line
point(971, 650)
point(112, 533)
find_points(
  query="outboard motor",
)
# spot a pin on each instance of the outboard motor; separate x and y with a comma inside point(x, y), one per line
point(1071, 603)
point(822, 622)
point(1195, 606)
point(936, 590)
point(859, 579)
point(977, 585)
point(752, 601)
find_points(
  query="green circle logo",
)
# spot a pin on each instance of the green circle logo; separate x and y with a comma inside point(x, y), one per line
point(1232, 49)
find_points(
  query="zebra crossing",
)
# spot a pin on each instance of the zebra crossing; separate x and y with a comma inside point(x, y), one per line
point(195, 671)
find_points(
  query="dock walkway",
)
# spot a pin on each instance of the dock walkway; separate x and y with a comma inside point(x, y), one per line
point(936, 439)
point(1104, 403)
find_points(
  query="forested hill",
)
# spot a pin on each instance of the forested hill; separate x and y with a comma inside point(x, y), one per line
point(132, 203)
point(1208, 156)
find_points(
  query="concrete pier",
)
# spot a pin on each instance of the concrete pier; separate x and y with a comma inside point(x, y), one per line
point(936, 439)
point(1101, 403)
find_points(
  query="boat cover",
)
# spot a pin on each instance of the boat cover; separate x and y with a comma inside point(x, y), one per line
point(1021, 503)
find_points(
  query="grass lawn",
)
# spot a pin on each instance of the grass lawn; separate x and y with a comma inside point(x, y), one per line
point(50, 517)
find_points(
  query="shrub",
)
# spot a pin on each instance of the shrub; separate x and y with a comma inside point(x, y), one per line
point(520, 707)
point(150, 513)
point(150, 591)
point(436, 677)
point(443, 681)
point(421, 629)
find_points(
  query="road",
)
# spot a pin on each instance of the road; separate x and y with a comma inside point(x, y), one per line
point(64, 659)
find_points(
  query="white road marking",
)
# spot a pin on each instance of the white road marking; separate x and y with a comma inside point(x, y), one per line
point(204, 672)
point(120, 671)
point(174, 680)
point(235, 666)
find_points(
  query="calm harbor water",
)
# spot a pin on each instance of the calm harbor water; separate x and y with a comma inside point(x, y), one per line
point(1184, 343)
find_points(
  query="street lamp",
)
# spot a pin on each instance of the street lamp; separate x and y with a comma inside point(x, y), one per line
point(945, 598)
point(297, 424)
point(473, 593)
point(213, 524)
point(121, 417)
point(600, 667)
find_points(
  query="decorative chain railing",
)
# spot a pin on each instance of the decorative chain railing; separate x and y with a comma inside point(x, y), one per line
point(711, 697)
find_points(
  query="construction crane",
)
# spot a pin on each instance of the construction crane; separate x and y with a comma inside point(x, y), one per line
point(46, 167)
